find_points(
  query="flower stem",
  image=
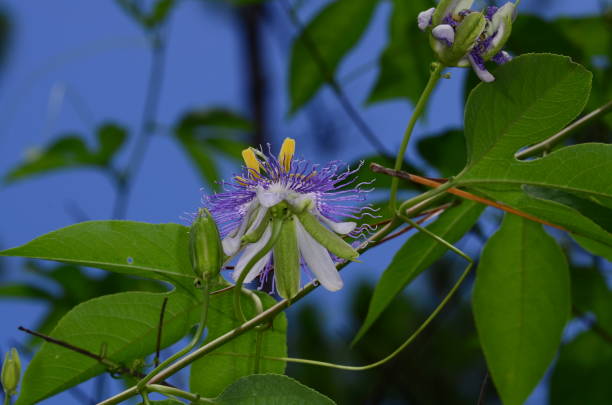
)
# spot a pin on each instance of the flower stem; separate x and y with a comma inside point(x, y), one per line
point(7, 399)
point(418, 110)
point(194, 341)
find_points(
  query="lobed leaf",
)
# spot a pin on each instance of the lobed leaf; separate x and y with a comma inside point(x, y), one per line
point(416, 255)
point(521, 303)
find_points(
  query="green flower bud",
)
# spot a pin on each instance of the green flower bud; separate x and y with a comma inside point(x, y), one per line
point(205, 245)
point(452, 44)
point(11, 372)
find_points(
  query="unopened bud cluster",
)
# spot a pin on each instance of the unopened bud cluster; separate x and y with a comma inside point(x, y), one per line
point(463, 37)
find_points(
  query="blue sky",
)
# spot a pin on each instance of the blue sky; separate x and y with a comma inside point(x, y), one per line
point(73, 65)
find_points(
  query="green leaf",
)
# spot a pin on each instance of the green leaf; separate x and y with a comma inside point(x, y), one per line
point(404, 65)
point(582, 374)
point(445, 152)
point(416, 255)
point(591, 295)
point(521, 303)
point(596, 247)
point(554, 212)
point(205, 133)
point(318, 50)
point(160, 12)
point(70, 151)
point(158, 251)
point(125, 324)
point(532, 98)
point(111, 138)
point(211, 374)
point(270, 389)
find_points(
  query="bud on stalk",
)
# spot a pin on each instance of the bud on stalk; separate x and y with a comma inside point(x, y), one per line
point(11, 372)
point(205, 246)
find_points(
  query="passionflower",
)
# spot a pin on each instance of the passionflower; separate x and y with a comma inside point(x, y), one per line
point(297, 207)
point(463, 37)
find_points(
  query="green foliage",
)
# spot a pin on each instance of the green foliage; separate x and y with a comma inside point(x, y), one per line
point(70, 151)
point(533, 97)
point(270, 389)
point(416, 255)
point(154, 251)
point(121, 328)
point(211, 374)
point(444, 151)
point(318, 50)
point(582, 374)
point(204, 134)
point(164, 402)
point(75, 286)
point(404, 65)
point(521, 303)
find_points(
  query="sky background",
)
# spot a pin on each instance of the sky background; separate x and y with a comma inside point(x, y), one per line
point(72, 65)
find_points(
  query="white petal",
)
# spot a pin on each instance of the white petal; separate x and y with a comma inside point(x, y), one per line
point(268, 198)
point(483, 74)
point(318, 260)
point(343, 228)
point(424, 18)
point(257, 221)
point(230, 245)
point(249, 252)
point(444, 32)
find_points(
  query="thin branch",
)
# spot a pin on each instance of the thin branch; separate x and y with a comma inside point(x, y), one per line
point(159, 331)
point(152, 97)
point(111, 365)
point(483, 389)
point(460, 193)
point(328, 76)
point(426, 217)
point(547, 144)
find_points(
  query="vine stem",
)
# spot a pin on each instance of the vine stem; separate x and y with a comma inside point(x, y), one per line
point(7, 399)
point(547, 144)
point(418, 110)
point(169, 391)
point(416, 333)
point(194, 341)
point(252, 323)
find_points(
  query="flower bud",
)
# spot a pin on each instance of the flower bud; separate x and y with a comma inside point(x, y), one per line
point(461, 37)
point(11, 372)
point(205, 245)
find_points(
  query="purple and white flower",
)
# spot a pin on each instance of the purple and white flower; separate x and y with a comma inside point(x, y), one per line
point(245, 212)
point(463, 37)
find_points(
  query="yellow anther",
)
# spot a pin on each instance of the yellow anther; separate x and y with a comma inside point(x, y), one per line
point(286, 153)
point(251, 161)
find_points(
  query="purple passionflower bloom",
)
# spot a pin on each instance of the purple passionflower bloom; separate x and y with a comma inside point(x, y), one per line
point(463, 37)
point(326, 193)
